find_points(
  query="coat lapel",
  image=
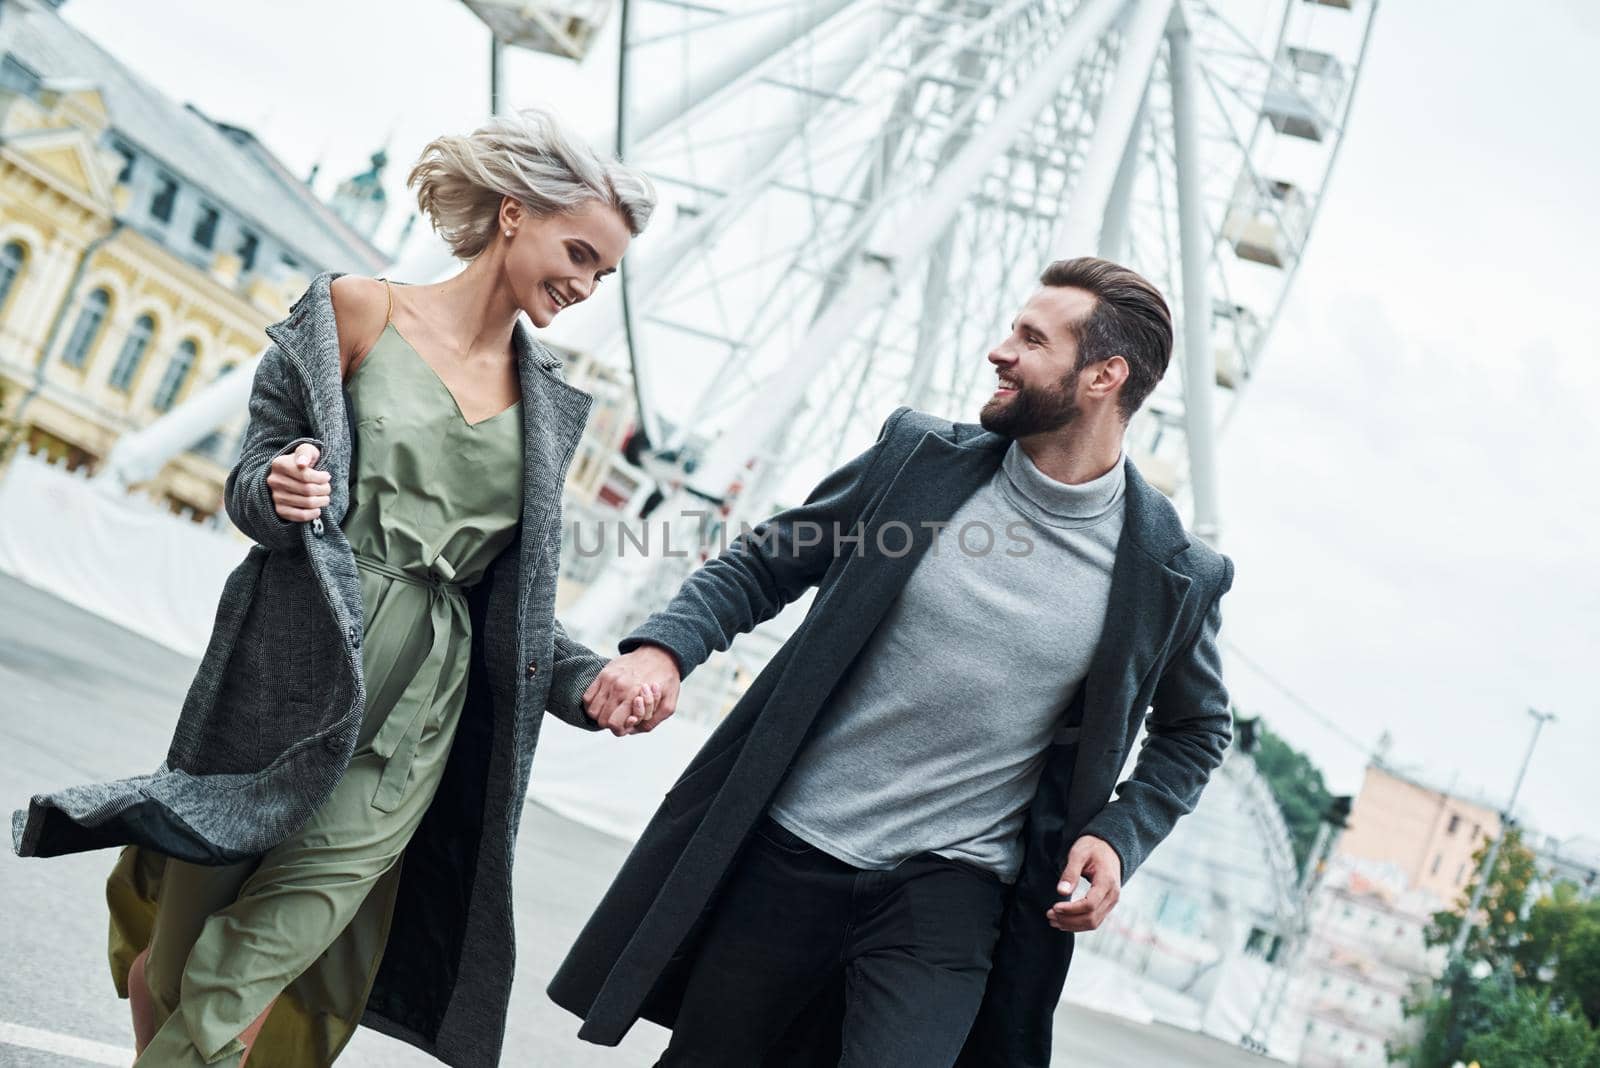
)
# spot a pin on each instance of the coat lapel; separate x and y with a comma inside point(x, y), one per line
point(553, 417)
point(1141, 613)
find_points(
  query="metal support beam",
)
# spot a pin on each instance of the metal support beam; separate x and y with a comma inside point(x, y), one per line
point(1114, 128)
point(1199, 360)
point(497, 62)
point(1115, 228)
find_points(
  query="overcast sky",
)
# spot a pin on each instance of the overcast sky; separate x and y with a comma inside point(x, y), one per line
point(1410, 490)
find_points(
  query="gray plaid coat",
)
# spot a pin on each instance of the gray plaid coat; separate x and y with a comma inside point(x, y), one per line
point(270, 721)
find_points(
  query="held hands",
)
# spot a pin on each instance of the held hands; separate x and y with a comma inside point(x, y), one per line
point(299, 490)
point(1095, 859)
point(635, 692)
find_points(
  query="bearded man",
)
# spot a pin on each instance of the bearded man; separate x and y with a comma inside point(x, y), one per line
point(873, 860)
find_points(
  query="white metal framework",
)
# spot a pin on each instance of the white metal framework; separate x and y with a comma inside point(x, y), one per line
point(859, 194)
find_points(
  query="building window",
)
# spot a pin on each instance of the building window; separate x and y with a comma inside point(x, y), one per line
point(1455, 824)
point(12, 257)
point(132, 352)
point(205, 231)
point(124, 150)
point(166, 196)
point(86, 331)
point(176, 374)
point(1461, 872)
point(1438, 858)
point(248, 247)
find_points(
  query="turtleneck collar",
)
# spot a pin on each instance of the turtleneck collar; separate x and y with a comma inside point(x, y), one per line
point(1058, 503)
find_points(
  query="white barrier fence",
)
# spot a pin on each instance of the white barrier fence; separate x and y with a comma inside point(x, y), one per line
point(121, 556)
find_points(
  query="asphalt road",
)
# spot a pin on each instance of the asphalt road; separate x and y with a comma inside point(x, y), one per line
point(83, 700)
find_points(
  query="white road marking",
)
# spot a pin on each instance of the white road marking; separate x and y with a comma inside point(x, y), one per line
point(64, 1045)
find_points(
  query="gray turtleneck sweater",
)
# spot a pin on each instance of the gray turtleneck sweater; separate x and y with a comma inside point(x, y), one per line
point(935, 738)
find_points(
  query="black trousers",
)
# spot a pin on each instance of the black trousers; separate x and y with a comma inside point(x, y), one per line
point(914, 945)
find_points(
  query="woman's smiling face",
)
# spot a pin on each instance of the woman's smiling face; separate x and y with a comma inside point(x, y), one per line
point(555, 261)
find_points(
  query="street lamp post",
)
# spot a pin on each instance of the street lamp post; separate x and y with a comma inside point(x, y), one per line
point(1459, 945)
point(497, 57)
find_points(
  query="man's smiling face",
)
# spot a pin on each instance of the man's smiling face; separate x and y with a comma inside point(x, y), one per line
point(1037, 365)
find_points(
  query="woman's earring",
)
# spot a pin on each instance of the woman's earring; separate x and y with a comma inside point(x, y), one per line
point(508, 233)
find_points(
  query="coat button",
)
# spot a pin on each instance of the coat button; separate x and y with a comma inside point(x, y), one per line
point(533, 669)
point(316, 526)
point(355, 635)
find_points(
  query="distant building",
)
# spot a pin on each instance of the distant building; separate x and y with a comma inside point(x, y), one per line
point(1428, 834)
point(1575, 860)
point(1406, 854)
point(360, 200)
point(1364, 955)
point(143, 247)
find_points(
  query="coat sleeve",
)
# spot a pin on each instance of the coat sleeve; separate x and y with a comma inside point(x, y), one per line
point(1187, 732)
point(278, 425)
point(575, 667)
point(764, 569)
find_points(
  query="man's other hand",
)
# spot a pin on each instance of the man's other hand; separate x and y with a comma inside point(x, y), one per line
point(1095, 860)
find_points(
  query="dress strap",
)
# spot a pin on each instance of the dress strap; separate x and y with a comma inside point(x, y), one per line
point(388, 315)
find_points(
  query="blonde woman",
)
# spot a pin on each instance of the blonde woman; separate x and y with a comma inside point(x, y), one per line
point(329, 841)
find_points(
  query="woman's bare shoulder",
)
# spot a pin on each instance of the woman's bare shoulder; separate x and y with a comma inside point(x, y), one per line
point(360, 309)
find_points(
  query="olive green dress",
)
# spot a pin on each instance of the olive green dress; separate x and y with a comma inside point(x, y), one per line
point(435, 500)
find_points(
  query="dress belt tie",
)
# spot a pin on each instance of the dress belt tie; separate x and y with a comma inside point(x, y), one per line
point(397, 740)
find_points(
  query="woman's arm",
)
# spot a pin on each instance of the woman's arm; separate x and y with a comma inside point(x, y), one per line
point(278, 425)
point(575, 667)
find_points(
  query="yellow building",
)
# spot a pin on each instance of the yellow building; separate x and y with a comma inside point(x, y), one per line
point(143, 247)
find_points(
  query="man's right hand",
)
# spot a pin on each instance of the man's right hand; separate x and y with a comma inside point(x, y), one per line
point(609, 698)
point(299, 490)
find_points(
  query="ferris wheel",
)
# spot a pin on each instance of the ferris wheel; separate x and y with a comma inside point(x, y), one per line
point(857, 195)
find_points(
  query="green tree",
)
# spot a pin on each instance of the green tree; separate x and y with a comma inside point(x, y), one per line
point(1577, 969)
point(1550, 924)
point(1524, 1029)
point(1298, 787)
point(1498, 928)
point(1540, 1004)
point(1560, 949)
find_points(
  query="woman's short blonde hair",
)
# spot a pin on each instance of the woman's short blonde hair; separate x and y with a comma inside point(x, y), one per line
point(529, 155)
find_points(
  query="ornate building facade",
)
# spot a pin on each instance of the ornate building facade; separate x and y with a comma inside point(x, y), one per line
point(143, 247)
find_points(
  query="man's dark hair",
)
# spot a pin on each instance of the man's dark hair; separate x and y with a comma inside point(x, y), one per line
point(1130, 319)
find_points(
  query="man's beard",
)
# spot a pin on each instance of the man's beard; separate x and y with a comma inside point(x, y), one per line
point(1032, 410)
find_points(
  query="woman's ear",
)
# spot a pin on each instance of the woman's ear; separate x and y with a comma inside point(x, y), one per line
point(511, 213)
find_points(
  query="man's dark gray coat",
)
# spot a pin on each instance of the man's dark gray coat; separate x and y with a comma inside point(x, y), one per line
point(1158, 651)
point(270, 721)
